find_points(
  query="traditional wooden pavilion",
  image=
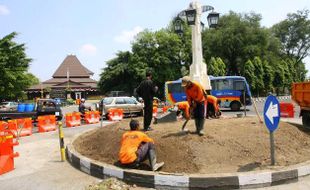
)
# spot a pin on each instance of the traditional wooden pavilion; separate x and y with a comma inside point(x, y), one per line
point(70, 80)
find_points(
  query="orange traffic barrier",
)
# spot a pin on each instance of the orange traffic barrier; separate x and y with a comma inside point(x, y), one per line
point(7, 154)
point(154, 111)
point(73, 119)
point(20, 127)
point(3, 126)
point(46, 123)
point(91, 117)
point(115, 114)
point(286, 109)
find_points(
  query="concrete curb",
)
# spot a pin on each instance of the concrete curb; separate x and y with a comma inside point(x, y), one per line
point(164, 180)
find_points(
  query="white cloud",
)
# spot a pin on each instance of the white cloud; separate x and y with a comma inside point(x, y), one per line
point(88, 49)
point(127, 35)
point(4, 10)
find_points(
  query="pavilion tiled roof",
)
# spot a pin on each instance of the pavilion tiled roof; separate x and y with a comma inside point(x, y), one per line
point(61, 80)
point(72, 66)
point(70, 73)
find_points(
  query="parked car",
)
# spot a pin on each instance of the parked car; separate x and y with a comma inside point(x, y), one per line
point(8, 106)
point(43, 107)
point(129, 105)
point(60, 101)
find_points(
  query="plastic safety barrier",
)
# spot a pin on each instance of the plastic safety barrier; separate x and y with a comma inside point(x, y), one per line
point(20, 127)
point(7, 154)
point(3, 126)
point(92, 117)
point(73, 119)
point(286, 109)
point(115, 114)
point(46, 123)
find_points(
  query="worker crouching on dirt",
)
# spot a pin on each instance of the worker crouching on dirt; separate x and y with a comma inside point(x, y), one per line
point(196, 98)
point(213, 107)
point(136, 147)
point(183, 107)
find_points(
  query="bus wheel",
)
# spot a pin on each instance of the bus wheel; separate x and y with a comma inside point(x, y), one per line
point(235, 106)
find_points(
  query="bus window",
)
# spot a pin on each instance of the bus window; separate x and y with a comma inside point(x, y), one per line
point(224, 84)
point(175, 88)
point(213, 85)
point(239, 85)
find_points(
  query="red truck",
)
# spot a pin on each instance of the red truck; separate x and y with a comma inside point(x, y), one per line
point(301, 95)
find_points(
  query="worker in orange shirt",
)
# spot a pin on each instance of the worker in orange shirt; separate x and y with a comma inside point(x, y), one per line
point(184, 107)
point(213, 107)
point(136, 147)
point(196, 98)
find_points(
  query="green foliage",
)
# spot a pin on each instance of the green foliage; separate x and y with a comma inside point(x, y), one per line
point(237, 39)
point(294, 35)
point(13, 68)
point(267, 77)
point(270, 58)
point(249, 74)
point(259, 75)
point(216, 67)
point(157, 51)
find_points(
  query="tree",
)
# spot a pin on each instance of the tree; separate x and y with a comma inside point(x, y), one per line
point(267, 77)
point(249, 74)
point(259, 75)
point(238, 38)
point(294, 35)
point(216, 67)
point(14, 64)
point(160, 52)
point(278, 80)
point(33, 80)
point(121, 74)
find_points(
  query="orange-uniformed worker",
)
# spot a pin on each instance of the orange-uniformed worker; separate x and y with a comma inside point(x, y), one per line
point(184, 107)
point(196, 97)
point(213, 106)
point(136, 147)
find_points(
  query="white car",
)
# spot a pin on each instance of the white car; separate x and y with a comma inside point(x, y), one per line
point(8, 106)
point(129, 105)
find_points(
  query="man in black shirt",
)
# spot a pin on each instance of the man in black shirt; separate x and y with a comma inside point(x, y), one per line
point(147, 90)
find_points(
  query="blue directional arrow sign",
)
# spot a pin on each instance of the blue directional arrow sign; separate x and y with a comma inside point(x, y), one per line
point(272, 113)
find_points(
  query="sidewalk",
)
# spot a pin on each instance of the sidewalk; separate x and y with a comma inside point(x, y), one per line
point(39, 167)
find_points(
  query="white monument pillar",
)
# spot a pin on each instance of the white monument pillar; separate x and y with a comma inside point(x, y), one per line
point(198, 69)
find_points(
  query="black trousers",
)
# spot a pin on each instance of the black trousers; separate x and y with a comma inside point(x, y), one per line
point(148, 114)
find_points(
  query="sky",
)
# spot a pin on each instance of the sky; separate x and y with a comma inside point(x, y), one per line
point(96, 30)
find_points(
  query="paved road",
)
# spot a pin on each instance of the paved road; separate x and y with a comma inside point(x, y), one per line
point(39, 166)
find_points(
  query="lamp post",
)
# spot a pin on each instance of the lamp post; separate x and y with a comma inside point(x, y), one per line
point(198, 69)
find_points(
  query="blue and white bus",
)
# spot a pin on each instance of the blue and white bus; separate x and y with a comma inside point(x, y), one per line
point(233, 91)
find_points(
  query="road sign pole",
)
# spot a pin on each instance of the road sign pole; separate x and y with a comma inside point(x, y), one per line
point(272, 119)
point(272, 156)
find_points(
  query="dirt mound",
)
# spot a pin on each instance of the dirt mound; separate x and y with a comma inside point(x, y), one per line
point(229, 145)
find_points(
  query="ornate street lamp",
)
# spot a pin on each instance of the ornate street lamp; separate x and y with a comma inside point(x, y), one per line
point(178, 25)
point(198, 69)
point(190, 16)
point(213, 19)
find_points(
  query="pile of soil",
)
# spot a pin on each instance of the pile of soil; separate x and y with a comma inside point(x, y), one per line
point(229, 145)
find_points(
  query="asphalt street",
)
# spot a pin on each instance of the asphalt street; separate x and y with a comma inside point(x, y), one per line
point(39, 166)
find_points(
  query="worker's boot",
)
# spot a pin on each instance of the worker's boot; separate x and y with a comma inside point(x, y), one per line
point(152, 157)
point(197, 125)
point(201, 125)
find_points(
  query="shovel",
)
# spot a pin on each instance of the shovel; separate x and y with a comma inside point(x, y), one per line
point(184, 125)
